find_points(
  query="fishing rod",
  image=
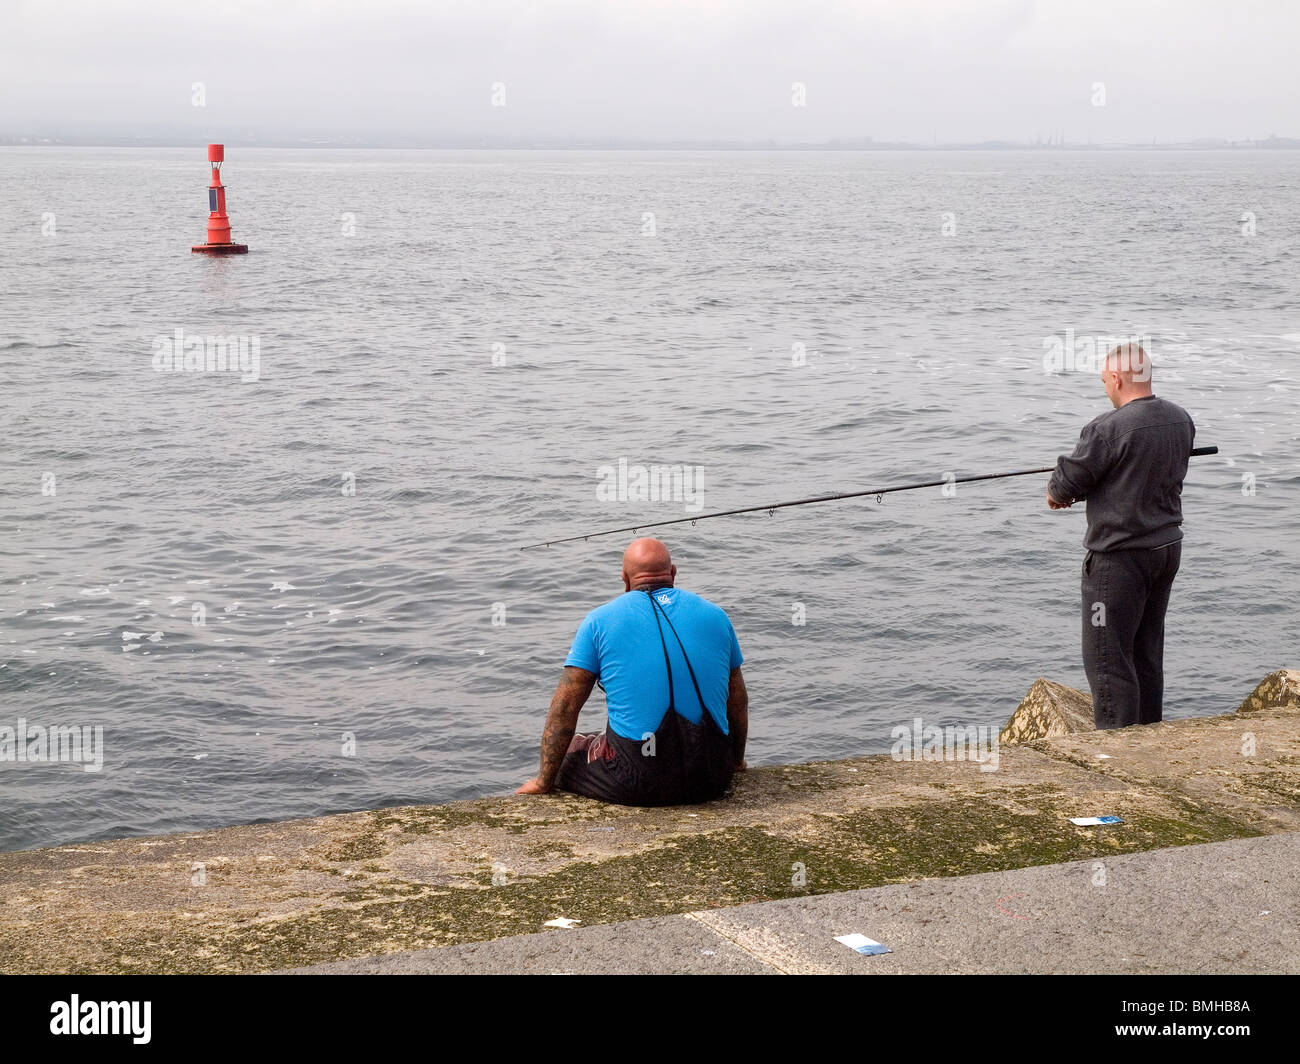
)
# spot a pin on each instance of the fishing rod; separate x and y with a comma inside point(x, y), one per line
point(771, 508)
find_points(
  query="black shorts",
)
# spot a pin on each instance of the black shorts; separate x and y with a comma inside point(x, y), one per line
point(611, 768)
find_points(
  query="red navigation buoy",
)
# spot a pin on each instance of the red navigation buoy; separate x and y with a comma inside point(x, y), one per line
point(218, 224)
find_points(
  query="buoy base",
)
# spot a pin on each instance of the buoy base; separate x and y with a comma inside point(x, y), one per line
point(221, 249)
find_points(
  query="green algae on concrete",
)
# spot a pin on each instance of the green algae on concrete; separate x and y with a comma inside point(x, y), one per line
point(295, 893)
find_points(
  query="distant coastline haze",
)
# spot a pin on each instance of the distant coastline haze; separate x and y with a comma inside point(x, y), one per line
point(708, 74)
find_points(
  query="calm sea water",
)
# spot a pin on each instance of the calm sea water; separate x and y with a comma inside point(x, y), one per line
point(643, 306)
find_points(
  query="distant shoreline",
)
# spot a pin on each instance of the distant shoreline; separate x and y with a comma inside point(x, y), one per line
point(846, 145)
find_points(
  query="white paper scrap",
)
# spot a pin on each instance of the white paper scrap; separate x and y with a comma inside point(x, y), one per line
point(868, 947)
point(562, 921)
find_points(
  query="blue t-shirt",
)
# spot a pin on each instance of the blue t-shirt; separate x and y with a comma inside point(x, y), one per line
point(619, 642)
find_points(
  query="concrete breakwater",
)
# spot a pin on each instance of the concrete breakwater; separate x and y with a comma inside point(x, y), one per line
point(263, 897)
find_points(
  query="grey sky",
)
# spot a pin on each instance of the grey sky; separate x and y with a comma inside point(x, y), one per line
point(653, 69)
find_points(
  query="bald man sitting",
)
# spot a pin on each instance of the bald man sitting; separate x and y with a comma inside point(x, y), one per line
point(678, 712)
point(1129, 465)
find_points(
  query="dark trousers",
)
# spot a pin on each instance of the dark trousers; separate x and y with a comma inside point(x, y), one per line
point(1125, 594)
point(686, 764)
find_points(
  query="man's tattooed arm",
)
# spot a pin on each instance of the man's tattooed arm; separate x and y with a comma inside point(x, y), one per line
point(561, 722)
point(737, 717)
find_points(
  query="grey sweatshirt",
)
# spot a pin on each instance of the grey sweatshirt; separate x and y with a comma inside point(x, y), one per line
point(1129, 465)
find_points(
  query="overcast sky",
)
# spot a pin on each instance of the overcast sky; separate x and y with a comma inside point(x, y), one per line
point(653, 69)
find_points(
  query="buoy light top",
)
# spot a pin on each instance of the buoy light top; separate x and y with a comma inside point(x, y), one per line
point(216, 153)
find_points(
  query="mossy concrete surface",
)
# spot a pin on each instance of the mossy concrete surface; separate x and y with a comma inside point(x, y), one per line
point(271, 896)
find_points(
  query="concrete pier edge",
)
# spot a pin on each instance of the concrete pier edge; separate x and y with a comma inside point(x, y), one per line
point(297, 893)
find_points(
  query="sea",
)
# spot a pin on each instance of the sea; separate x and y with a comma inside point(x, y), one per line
point(261, 516)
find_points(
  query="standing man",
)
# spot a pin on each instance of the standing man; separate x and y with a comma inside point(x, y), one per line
point(1129, 466)
point(678, 711)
